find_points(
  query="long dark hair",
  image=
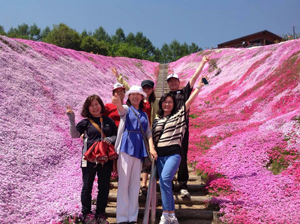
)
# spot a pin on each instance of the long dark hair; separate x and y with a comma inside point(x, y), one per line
point(85, 109)
point(152, 97)
point(160, 111)
point(141, 105)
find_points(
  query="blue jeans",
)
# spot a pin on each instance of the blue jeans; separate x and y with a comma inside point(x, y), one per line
point(167, 167)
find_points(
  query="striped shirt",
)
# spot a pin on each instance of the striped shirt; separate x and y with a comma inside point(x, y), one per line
point(168, 133)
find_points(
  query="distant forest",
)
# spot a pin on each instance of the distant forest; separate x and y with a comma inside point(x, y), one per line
point(99, 42)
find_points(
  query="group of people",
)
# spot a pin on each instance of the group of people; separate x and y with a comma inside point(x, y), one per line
point(163, 123)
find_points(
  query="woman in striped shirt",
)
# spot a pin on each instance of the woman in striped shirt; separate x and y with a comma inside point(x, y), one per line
point(168, 131)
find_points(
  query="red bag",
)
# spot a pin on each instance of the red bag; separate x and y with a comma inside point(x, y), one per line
point(100, 152)
point(97, 153)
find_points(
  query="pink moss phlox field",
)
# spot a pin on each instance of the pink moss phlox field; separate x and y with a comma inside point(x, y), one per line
point(40, 163)
point(247, 117)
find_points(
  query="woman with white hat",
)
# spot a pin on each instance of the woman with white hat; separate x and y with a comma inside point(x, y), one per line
point(150, 107)
point(131, 149)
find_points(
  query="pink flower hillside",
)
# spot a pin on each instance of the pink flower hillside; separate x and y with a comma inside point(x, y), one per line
point(245, 134)
point(40, 163)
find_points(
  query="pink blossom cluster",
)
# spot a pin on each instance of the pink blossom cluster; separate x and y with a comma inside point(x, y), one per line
point(247, 116)
point(40, 162)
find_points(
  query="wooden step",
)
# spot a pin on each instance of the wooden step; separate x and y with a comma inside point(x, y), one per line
point(192, 187)
point(180, 213)
point(194, 200)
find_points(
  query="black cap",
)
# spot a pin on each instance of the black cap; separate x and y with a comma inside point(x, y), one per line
point(147, 83)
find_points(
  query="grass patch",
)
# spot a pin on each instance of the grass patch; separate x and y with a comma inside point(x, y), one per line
point(193, 116)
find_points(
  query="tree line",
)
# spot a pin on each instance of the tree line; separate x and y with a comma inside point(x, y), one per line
point(100, 42)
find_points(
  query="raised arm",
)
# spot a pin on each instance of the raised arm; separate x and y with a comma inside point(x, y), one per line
point(198, 71)
point(120, 79)
point(193, 95)
point(73, 131)
point(117, 102)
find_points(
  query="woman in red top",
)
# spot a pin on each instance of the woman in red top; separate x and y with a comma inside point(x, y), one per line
point(150, 108)
point(111, 109)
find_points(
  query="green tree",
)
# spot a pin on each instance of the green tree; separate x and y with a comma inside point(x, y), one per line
point(193, 48)
point(130, 38)
point(21, 32)
point(128, 50)
point(45, 33)
point(165, 53)
point(63, 36)
point(119, 36)
point(84, 34)
point(12, 32)
point(2, 32)
point(90, 44)
point(175, 50)
point(100, 34)
point(144, 43)
point(158, 55)
point(34, 32)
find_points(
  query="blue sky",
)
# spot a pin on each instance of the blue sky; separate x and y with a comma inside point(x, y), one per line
point(204, 22)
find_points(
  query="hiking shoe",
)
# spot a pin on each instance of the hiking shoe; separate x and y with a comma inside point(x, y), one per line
point(144, 190)
point(173, 220)
point(184, 193)
point(101, 219)
point(89, 219)
point(165, 220)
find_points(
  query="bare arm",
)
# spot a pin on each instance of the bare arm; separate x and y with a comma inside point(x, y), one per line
point(151, 144)
point(152, 149)
point(193, 95)
point(198, 71)
point(120, 79)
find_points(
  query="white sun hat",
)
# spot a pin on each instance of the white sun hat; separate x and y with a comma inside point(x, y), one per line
point(135, 89)
point(175, 76)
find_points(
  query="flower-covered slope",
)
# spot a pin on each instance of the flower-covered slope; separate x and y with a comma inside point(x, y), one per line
point(244, 123)
point(40, 163)
point(241, 124)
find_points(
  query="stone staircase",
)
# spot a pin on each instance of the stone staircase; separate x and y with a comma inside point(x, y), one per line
point(188, 210)
point(162, 85)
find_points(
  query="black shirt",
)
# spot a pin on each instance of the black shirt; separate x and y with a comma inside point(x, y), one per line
point(109, 129)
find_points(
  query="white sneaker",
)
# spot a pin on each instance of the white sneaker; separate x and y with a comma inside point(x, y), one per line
point(184, 193)
point(174, 220)
point(165, 220)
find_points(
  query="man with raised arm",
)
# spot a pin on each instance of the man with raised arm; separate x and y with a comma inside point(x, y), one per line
point(181, 96)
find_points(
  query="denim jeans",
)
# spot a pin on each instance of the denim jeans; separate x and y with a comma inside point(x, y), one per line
point(167, 167)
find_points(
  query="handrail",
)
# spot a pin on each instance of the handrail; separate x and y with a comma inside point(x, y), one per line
point(163, 82)
point(151, 197)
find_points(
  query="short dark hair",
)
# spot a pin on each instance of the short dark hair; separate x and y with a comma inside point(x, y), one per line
point(141, 105)
point(113, 92)
point(160, 111)
point(85, 109)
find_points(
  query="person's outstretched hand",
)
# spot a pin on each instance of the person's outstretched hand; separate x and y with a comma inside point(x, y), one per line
point(205, 59)
point(115, 72)
point(69, 110)
point(116, 100)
